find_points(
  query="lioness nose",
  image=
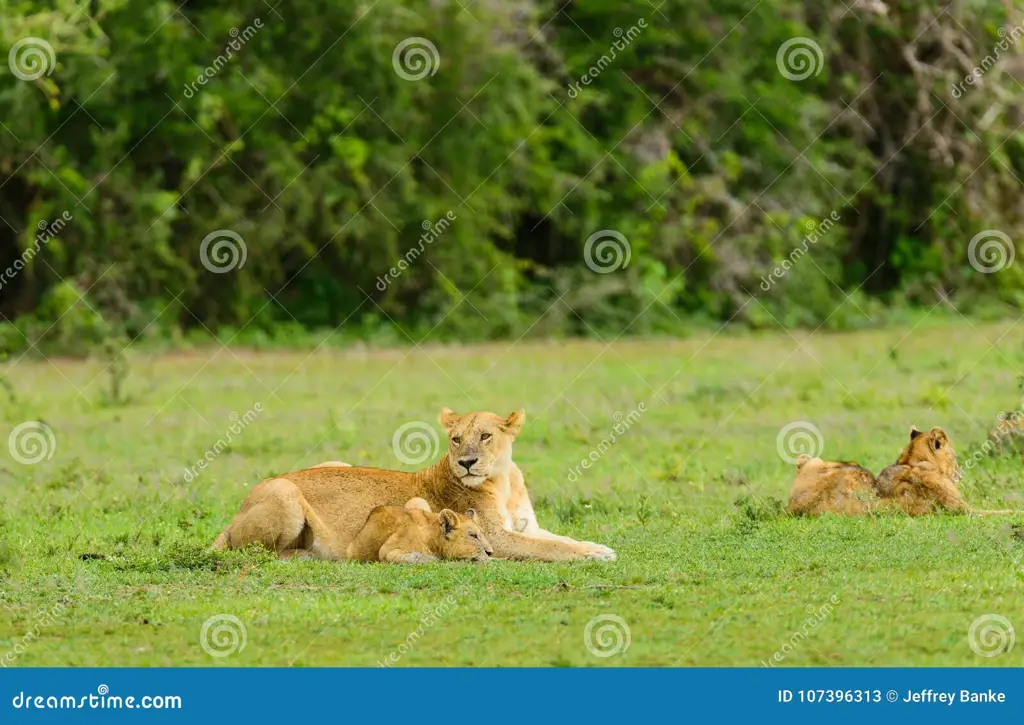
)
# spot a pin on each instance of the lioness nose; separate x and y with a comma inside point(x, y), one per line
point(489, 552)
point(467, 463)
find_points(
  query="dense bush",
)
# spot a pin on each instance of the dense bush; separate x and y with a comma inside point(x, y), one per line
point(689, 141)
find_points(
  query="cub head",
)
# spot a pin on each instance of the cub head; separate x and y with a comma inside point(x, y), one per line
point(934, 448)
point(480, 444)
point(461, 538)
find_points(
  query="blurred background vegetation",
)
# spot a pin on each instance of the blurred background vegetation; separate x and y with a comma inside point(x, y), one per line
point(690, 142)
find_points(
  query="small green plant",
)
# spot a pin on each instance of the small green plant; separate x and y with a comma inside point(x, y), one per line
point(643, 510)
point(118, 368)
point(757, 509)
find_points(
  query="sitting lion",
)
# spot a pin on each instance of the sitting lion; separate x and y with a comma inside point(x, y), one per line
point(321, 510)
point(924, 477)
point(923, 480)
point(412, 535)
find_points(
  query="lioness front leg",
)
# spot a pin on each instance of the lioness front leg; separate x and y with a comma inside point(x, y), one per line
point(524, 520)
point(513, 545)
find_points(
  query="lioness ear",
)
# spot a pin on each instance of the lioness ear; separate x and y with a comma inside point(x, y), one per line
point(448, 418)
point(914, 432)
point(471, 514)
point(514, 422)
point(448, 520)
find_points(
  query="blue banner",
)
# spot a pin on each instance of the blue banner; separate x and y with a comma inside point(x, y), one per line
point(521, 696)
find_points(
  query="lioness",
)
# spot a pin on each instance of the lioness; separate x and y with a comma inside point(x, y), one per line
point(411, 535)
point(322, 509)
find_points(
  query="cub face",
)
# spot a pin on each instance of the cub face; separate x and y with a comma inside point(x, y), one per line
point(933, 448)
point(461, 538)
point(480, 444)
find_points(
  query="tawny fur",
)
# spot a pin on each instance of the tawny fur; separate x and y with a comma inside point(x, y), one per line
point(321, 510)
point(410, 535)
point(923, 480)
point(838, 487)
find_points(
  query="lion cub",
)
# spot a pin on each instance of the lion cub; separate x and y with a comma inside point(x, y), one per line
point(923, 480)
point(840, 487)
point(412, 535)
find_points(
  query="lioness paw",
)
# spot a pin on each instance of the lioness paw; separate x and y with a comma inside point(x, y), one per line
point(597, 552)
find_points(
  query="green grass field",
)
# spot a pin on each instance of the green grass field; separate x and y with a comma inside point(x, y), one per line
point(104, 558)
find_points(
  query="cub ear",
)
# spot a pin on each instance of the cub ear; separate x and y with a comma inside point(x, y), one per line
point(914, 432)
point(471, 514)
point(937, 432)
point(448, 418)
point(448, 520)
point(514, 422)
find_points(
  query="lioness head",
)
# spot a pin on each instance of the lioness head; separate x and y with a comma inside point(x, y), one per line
point(480, 444)
point(461, 538)
point(934, 448)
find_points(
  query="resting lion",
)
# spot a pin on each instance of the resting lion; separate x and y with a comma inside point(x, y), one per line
point(925, 477)
point(321, 510)
point(923, 480)
point(831, 486)
point(413, 535)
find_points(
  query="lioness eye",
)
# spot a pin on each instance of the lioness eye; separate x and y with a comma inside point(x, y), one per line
point(456, 440)
point(484, 436)
point(473, 536)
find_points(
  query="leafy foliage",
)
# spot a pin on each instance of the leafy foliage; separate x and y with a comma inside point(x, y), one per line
point(690, 142)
